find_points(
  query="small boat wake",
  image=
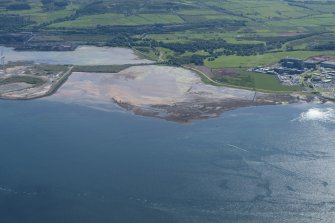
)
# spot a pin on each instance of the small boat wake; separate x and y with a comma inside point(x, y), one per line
point(236, 147)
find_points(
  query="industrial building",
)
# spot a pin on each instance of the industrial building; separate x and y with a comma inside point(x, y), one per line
point(292, 63)
point(311, 64)
point(298, 64)
point(328, 64)
point(288, 71)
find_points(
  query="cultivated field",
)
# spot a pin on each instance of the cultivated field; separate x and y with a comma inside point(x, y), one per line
point(215, 33)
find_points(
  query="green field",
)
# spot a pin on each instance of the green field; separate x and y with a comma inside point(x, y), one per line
point(270, 83)
point(257, 81)
point(38, 15)
point(113, 19)
point(214, 33)
point(90, 13)
point(264, 59)
point(26, 79)
point(189, 36)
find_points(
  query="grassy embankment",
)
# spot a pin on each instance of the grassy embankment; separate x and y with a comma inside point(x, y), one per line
point(25, 79)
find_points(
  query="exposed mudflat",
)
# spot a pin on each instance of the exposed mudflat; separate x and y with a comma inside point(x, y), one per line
point(166, 92)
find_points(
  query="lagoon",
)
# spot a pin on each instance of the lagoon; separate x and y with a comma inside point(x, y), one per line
point(83, 55)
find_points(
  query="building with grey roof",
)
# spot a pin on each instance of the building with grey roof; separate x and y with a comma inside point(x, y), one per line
point(328, 64)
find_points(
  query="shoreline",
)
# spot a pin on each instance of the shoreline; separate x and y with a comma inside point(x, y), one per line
point(183, 113)
point(186, 113)
point(202, 103)
point(169, 93)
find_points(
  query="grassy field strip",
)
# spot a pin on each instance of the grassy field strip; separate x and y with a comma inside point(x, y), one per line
point(114, 19)
point(209, 80)
point(39, 16)
point(262, 59)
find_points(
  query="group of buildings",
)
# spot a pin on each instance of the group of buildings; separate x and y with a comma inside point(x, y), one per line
point(291, 66)
point(293, 71)
point(301, 65)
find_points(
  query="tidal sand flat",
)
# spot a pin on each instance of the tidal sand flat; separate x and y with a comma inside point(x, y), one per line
point(83, 55)
point(166, 92)
point(37, 74)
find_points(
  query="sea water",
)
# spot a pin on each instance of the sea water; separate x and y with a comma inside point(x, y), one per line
point(73, 164)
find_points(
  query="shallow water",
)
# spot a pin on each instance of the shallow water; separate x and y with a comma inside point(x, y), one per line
point(69, 163)
point(83, 55)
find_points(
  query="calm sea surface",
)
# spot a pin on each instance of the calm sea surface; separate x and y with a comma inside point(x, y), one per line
point(72, 164)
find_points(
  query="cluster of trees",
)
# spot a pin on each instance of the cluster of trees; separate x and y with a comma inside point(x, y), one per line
point(276, 42)
point(50, 5)
point(212, 54)
point(325, 46)
point(132, 7)
point(12, 23)
point(124, 40)
point(14, 38)
point(160, 28)
point(214, 48)
point(97, 7)
point(211, 47)
point(18, 6)
point(67, 18)
point(180, 60)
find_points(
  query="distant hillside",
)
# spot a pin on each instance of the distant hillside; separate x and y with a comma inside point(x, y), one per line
point(91, 13)
point(180, 31)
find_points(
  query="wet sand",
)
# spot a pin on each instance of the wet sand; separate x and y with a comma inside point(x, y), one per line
point(170, 93)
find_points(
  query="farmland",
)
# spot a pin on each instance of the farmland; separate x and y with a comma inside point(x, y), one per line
point(217, 34)
point(264, 59)
point(261, 82)
point(119, 20)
